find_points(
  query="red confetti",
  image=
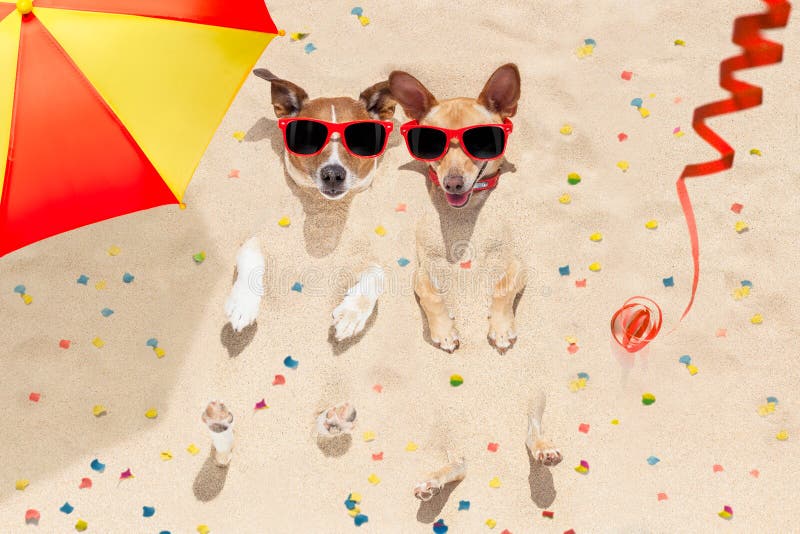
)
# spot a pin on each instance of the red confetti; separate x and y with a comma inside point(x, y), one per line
point(717, 468)
point(126, 474)
point(35, 397)
point(378, 457)
point(86, 483)
point(736, 208)
point(678, 100)
point(234, 173)
point(546, 513)
point(580, 283)
point(721, 332)
point(260, 405)
point(400, 207)
point(583, 427)
point(466, 264)
point(622, 136)
point(506, 531)
point(570, 531)
point(627, 75)
point(64, 343)
point(377, 388)
point(279, 380)
point(662, 497)
point(493, 447)
point(32, 515)
point(755, 473)
point(573, 348)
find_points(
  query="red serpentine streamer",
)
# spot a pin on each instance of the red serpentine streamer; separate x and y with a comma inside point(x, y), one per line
point(757, 51)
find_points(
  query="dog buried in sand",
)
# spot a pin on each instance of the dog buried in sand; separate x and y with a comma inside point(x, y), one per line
point(332, 147)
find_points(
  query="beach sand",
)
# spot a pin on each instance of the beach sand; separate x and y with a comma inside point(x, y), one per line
point(279, 479)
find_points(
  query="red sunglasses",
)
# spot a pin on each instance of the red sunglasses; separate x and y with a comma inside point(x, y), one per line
point(307, 137)
point(482, 141)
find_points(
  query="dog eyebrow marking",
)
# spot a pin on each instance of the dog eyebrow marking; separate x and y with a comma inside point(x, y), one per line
point(484, 111)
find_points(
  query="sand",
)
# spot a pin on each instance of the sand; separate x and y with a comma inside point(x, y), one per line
point(279, 479)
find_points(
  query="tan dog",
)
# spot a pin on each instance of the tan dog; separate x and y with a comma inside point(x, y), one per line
point(457, 177)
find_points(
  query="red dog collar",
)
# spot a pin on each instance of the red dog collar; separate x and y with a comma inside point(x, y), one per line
point(488, 182)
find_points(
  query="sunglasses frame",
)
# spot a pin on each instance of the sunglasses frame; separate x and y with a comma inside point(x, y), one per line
point(507, 128)
point(335, 127)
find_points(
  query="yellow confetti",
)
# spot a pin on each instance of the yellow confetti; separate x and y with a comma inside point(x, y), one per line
point(283, 222)
point(203, 529)
point(297, 36)
point(615, 421)
point(192, 449)
point(594, 267)
point(651, 95)
point(239, 136)
point(81, 525)
point(100, 285)
point(680, 42)
point(369, 436)
point(98, 410)
point(411, 446)
point(27, 298)
point(565, 198)
point(22, 484)
point(159, 352)
point(692, 369)
point(97, 342)
point(740, 227)
point(166, 456)
point(783, 435)
point(355, 497)
point(745, 291)
point(566, 130)
point(152, 413)
point(380, 230)
point(757, 319)
point(644, 112)
point(354, 512)
point(755, 152)
point(571, 339)
point(624, 165)
point(679, 133)
point(363, 20)
point(494, 483)
point(766, 409)
point(596, 237)
point(652, 224)
point(584, 51)
point(114, 250)
point(373, 479)
point(491, 523)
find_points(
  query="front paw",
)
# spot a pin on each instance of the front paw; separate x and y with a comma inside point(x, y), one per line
point(545, 452)
point(444, 334)
point(350, 317)
point(502, 333)
point(242, 305)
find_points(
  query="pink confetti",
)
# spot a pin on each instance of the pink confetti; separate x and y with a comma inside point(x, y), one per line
point(580, 283)
point(234, 173)
point(32, 515)
point(736, 208)
point(466, 264)
point(585, 464)
point(626, 75)
point(260, 405)
point(86, 483)
point(717, 468)
point(506, 531)
point(126, 474)
point(676, 130)
point(64, 343)
point(721, 332)
point(378, 457)
point(662, 497)
point(678, 100)
point(279, 380)
point(573, 348)
point(492, 447)
point(728, 509)
point(377, 388)
point(400, 208)
point(35, 397)
point(622, 137)
point(583, 427)
point(755, 473)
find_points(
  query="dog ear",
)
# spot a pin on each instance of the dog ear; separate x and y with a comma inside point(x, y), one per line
point(378, 101)
point(501, 93)
point(287, 98)
point(411, 94)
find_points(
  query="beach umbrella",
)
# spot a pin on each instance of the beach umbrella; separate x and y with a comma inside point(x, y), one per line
point(106, 106)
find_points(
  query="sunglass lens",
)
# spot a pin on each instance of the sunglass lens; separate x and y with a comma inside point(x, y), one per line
point(426, 143)
point(305, 137)
point(365, 139)
point(484, 142)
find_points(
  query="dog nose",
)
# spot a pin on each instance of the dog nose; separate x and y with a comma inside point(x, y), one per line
point(333, 173)
point(454, 184)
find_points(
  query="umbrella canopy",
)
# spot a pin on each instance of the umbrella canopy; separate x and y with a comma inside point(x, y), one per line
point(106, 106)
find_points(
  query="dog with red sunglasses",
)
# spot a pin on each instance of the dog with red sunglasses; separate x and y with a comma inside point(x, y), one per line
point(462, 142)
point(332, 145)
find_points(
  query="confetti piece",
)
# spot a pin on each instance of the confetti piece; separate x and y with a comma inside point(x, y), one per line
point(34, 397)
point(152, 413)
point(290, 362)
point(594, 267)
point(83, 279)
point(565, 198)
point(726, 513)
point(86, 483)
point(402, 262)
point(648, 399)
point(203, 529)
point(566, 130)
point(32, 516)
point(22, 484)
point(583, 468)
point(106, 312)
point(239, 136)
point(411, 446)
point(637, 102)
point(652, 460)
point(354, 512)
point(494, 483)
point(584, 51)
point(127, 278)
point(668, 282)
point(355, 497)
point(572, 348)
point(199, 258)
point(491, 523)
point(166, 456)
point(114, 250)
point(757, 319)
point(456, 380)
point(67, 508)
point(64, 343)
point(685, 359)
point(373, 479)
point(662, 497)
point(783, 435)
point(101, 285)
point(580, 283)
point(20, 289)
point(380, 230)
point(309, 48)
point(360, 519)
point(772, 400)
point(717, 468)
point(125, 475)
point(148, 511)
point(652, 224)
point(548, 514)
point(740, 227)
point(298, 287)
point(754, 473)
point(96, 465)
point(571, 339)
point(81, 525)
point(736, 208)
point(692, 369)
point(755, 152)
point(400, 208)
point(677, 132)
point(357, 11)
point(626, 75)
point(573, 178)
point(624, 165)
point(721, 332)
point(377, 457)
point(439, 527)
point(583, 376)
point(492, 447)
point(363, 20)
point(590, 41)
point(466, 264)
point(283, 222)
point(680, 42)
point(152, 342)
point(234, 173)
point(564, 271)
point(644, 112)
point(377, 388)
point(463, 505)
point(622, 136)
point(297, 36)
point(98, 410)
point(192, 449)
point(369, 436)
point(615, 421)
point(159, 352)
point(584, 428)
point(261, 405)
point(279, 380)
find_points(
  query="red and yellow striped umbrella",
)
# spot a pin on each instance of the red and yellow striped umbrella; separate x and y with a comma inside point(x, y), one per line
point(106, 106)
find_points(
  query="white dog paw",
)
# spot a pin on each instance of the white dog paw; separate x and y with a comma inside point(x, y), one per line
point(242, 306)
point(350, 317)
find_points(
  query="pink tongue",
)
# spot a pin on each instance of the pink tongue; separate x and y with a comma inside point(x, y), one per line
point(457, 200)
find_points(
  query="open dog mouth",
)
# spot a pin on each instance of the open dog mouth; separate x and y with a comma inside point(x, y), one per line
point(458, 201)
point(333, 194)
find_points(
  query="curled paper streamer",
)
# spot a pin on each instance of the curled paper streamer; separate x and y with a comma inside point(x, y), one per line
point(636, 323)
point(756, 52)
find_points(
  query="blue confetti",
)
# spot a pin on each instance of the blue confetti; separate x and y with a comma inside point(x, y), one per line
point(297, 287)
point(669, 282)
point(747, 283)
point(564, 271)
point(127, 278)
point(67, 508)
point(148, 511)
point(165, 532)
point(152, 342)
point(310, 48)
point(402, 262)
point(653, 460)
point(773, 400)
point(360, 519)
point(350, 504)
point(357, 11)
point(83, 279)
point(636, 102)
point(96, 465)
point(583, 375)
point(685, 359)
point(290, 362)
point(590, 41)
point(20, 289)
point(439, 527)
point(107, 312)
point(463, 505)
